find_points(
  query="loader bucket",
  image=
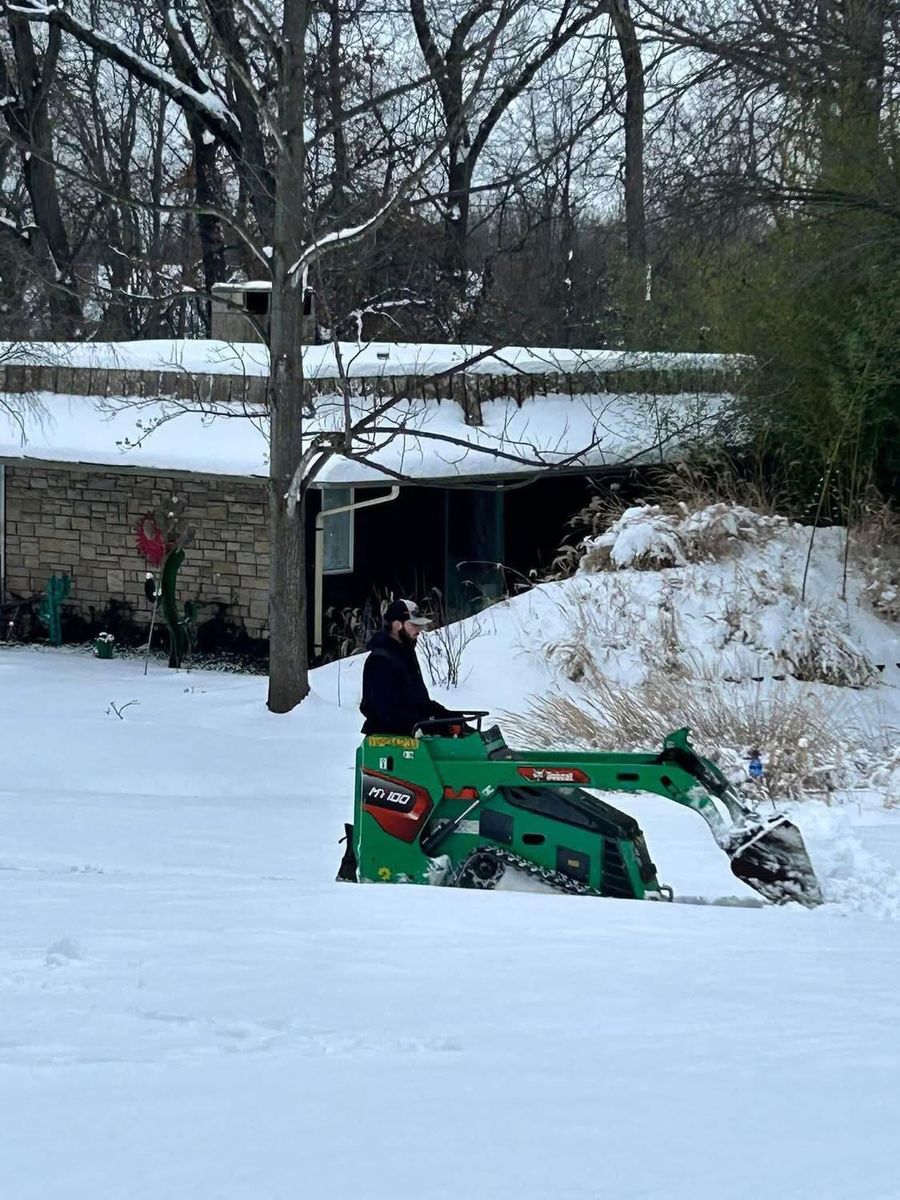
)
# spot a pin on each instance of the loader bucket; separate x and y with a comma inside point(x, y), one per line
point(773, 860)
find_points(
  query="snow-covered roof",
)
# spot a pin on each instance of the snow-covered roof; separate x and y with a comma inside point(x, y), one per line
point(414, 440)
point(82, 429)
point(252, 285)
point(359, 359)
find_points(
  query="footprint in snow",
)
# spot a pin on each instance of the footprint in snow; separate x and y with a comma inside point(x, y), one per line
point(63, 953)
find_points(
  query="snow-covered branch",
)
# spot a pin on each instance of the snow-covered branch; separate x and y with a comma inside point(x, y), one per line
point(349, 235)
point(205, 104)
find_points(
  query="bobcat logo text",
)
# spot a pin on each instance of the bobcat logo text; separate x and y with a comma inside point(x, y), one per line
point(554, 775)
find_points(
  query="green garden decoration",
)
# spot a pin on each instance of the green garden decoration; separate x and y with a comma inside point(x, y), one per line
point(103, 645)
point(58, 590)
point(180, 626)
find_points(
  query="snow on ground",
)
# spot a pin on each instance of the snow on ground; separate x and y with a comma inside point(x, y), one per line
point(191, 1007)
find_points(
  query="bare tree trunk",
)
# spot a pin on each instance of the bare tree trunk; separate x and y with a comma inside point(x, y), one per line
point(860, 88)
point(208, 191)
point(288, 661)
point(630, 49)
point(250, 162)
point(448, 71)
point(28, 118)
point(567, 247)
point(635, 216)
point(456, 220)
point(336, 108)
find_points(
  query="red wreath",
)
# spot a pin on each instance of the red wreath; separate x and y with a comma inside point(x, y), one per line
point(150, 540)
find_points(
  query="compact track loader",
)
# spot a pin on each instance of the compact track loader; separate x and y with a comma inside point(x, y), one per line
point(455, 806)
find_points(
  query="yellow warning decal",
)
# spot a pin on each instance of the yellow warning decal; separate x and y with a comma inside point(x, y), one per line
point(401, 743)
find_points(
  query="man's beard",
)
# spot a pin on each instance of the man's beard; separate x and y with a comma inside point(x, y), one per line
point(407, 640)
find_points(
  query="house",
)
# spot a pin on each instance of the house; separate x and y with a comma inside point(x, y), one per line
point(467, 464)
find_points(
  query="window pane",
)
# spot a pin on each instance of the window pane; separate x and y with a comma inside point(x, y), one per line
point(338, 530)
point(257, 303)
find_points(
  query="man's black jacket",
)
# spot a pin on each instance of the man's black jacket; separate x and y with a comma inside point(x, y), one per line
point(394, 696)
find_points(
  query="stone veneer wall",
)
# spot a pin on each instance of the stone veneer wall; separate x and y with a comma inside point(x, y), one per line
point(81, 520)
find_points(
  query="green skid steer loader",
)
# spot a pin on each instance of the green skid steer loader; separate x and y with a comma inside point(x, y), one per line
point(455, 806)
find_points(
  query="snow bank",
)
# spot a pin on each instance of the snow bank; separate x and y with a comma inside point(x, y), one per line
point(722, 642)
point(726, 584)
point(853, 878)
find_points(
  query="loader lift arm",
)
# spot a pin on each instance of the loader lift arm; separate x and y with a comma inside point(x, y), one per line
point(767, 853)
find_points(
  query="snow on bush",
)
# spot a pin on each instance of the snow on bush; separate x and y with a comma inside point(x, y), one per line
point(737, 629)
point(875, 553)
point(885, 779)
point(816, 649)
point(719, 529)
point(648, 538)
point(883, 589)
point(724, 589)
point(644, 537)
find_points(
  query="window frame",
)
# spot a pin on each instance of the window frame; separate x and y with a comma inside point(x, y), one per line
point(351, 539)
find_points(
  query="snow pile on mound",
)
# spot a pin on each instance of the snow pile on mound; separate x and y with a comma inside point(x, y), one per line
point(648, 538)
point(703, 619)
point(720, 593)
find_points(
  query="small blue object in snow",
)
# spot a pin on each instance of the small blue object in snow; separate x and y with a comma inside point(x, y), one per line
point(755, 766)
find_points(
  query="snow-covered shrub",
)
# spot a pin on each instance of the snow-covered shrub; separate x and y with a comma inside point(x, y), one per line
point(591, 627)
point(883, 589)
point(875, 553)
point(886, 777)
point(644, 537)
point(806, 745)
point(732, 606)
point(711, 533)
point(648, 538)
point(817, 650)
